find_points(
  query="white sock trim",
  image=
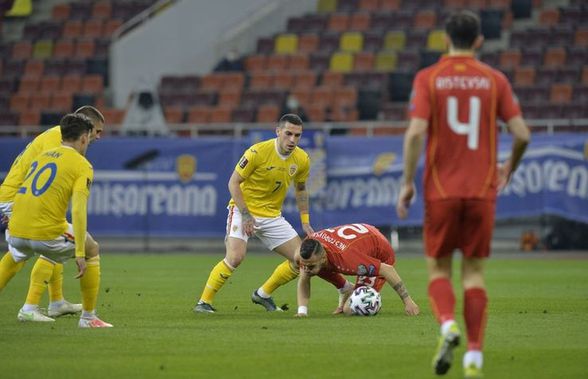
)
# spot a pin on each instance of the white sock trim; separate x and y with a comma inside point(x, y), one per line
point(263, 294)
point(446, 325)
point(473, 357)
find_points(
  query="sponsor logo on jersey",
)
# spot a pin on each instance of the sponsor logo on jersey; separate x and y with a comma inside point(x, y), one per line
point(186, 167)
point(362, 270)
point(372, 270)
point(243, 162)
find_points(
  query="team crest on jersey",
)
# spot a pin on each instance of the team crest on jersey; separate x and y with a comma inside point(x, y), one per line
point(371, 270)
point(243, 162)
point(383, 162)
point(186, 167)
point(292, 170)
point(235, 228)
point(362, 270)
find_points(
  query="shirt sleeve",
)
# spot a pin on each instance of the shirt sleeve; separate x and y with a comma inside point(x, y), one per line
point(84, 181)
point(419, 105)
point(247, 163)
point(360, 264)
point(302, 175)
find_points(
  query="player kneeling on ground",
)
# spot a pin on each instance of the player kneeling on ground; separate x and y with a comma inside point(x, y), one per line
point(355, 249)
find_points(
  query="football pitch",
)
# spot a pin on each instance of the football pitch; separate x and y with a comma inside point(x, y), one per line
point(537, 327)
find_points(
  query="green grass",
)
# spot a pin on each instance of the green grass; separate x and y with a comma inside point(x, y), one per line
point(537, 326)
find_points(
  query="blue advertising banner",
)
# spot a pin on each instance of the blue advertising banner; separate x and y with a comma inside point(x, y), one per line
point(178, 187)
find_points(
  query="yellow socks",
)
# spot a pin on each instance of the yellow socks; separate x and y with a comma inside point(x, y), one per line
point(55, 283)
point(90, 284)
point(283, 274)
point(40, 276)
point(8, 268)
point(216, 280)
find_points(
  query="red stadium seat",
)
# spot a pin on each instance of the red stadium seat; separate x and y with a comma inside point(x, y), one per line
point(332, 79)
point(198, 115)
point(268, 113)
point(174, 114)
point(29, 118)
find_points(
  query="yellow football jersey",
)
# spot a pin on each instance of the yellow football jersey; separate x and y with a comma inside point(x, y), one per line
point(268, 175)
point(41, 202)
point(49, 139)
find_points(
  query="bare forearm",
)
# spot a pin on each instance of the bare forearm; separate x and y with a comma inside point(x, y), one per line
point(412, 149)
point(237, 195)
point(302, 201)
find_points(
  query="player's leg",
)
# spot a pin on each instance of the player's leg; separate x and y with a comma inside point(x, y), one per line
point(58, 306)
point(90, 286)
point(8, 268)
point(441, 230)
point(236, 249)
point(277, 235)
point(477, 228)
point(40, 276)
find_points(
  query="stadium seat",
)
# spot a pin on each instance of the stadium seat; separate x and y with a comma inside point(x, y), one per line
point(284, 80)
point(93, 84)
point(308, 43)
point(85, 48)
point(101, 10)
point(351, 42)
point(42, 49)
point(454, 4)
point(425, 19)
point(436, 40)
point(369, 5)
point(364, 61)
point(338, 22)
point(524, 76)
point(28, 85)
point(360, 22)
point(30, 118)
point(298, 62)
point(111, 26)
point(386, 61)
point(322, 95)
point(22, 50)
point(255, 62)
point(229, 98)
point(261, 80)
point(581, 37)
point(305, 79)
point(62, 101)
point(326, 6)
point(390, 5)
point(63, 48)
point(211, 82)
point(72, 29)
point(549, 17)
point(584, 79)
point(60, 12)
point(555, 57)
point(93, 28)
point(33, 68)
point(332, 79)
point(510, 58)
point(243, 115)
point(395, 40)
point(201, 97)
point(40, 101)
point(174, 114)
point(268, 113)
point(113, 116)
point(221, 115)
point(198, 115)
point(316, 113)
point(341, 62)
point(286, 44)
point(345, 97)
point(50, 84)
point(277, 62)
point(561, 93)
point(233, 81)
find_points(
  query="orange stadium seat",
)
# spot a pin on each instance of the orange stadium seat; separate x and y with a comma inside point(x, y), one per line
point(308, 43)
point(364, 61)
point(34, 68)
point(305, 79)
point(555, 57)
point(233, 81)
point(303, 95)
point(298, 62)
point(61, 101)
point(71, 83)
point(28, 85)
point(585, 75)
point(269, 113)
point(50, 84)
point(255, 62)
point(198, 115)
point(22, 50)
point(425, 19)
point(261, 80)
point(369, 5)
point(72, 29)
point(316, 113)
point(322, 95)
point(101, 10)
point(454, 4)
point(524, 76)
point(85, 48)
point(229, 98)
point(29, 118)
point(110, 26)
point(40, 101)
point(60, 12)
point(499, 4)
point(332, 79)
point(360, 21)
point(561, 93)
point(581, 37)
point(475, 4)
point(92, 83)
point(221, 114)
point(113, 116)
point(345, 97)
point(211, 82)
point(64, 48)
point(174, 114)
point(277, 62)
point(549, 17)
point(338, 22)
point(510, 58)
point(19, 102)
point(390, 5)
point(284, 80)
point(93, 29)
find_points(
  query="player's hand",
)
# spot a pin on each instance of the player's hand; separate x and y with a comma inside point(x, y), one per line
point(338, 311)
point(248, 224)
point(81, 262)
point(3, 219)
point(404, 197)
point(299, 315)
point(504, 174)
point(307, 229)
point(411, 308)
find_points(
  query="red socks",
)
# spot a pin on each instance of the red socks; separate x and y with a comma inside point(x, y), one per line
point(474, 310)
point(442, 299)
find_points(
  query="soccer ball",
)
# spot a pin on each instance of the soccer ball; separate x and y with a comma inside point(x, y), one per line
point(365, 301)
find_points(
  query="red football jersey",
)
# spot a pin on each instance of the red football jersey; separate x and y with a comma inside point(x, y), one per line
point(354, 249)
point(461, 98)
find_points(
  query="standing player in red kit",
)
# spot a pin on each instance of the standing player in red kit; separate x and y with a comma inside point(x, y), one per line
point(354, 249)
point(456, 103)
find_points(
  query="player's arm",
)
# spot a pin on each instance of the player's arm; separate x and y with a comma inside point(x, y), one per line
point(521, 137)
point(302, 201)
point(248, 223)
point(79, 217)
point(413, 144)
point(303, 294)
point(391, 275)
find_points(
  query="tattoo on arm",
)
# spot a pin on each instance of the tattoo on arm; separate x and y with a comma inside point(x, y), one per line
point(302, 197)
point(401, 290)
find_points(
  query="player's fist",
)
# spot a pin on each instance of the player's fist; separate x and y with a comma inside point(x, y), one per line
point(404, 198)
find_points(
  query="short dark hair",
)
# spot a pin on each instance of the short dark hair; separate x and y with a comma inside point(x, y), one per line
point(463, 27)
point(91, 112)
point(74, 125)
point(291, 118)
point(310, 247)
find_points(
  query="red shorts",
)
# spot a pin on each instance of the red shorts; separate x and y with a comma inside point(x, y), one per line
point(386, 254)
point(465, 224)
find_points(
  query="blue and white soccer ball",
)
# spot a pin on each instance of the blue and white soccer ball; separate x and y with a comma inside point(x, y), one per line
point(365, 301)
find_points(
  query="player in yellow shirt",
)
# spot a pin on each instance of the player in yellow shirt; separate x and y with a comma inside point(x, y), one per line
point(13, 181)
point(38, 224)
point(258, 187)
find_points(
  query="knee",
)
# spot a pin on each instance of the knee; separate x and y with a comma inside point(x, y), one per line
point(234, 260)
point(92, 249)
